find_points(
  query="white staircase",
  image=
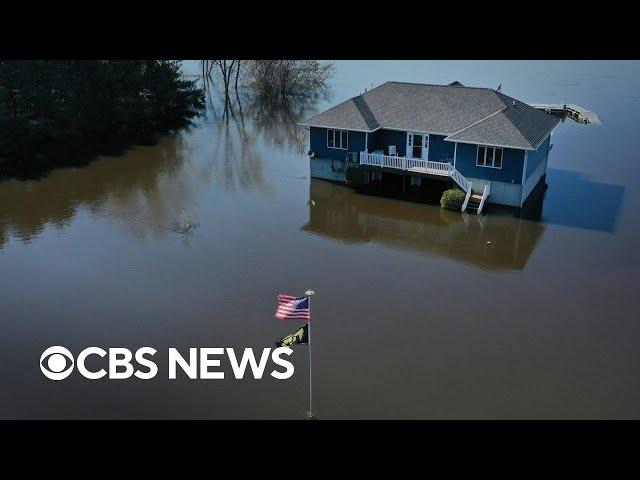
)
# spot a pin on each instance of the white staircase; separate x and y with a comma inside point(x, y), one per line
point(428, 167)
point(476, 201)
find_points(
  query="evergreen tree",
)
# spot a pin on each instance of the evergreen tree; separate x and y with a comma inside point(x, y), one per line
point(60, 113)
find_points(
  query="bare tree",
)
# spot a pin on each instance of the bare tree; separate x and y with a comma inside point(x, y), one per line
point(237, 74)
point(271, 78)
point(226, 69)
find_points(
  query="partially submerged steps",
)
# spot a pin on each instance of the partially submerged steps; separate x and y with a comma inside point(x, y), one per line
point(473, 205)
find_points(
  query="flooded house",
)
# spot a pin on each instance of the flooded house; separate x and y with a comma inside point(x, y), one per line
point(421, 137)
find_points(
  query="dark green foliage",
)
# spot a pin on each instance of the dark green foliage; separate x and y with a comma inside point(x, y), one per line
point(452, 199)
point(61, 113)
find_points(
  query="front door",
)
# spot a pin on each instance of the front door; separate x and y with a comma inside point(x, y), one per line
point(417, 145)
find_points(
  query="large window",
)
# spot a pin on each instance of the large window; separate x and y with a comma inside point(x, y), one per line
point(337, 139)
point(489, 157)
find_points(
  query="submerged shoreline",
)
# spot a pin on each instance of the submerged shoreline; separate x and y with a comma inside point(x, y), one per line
point(66, 113)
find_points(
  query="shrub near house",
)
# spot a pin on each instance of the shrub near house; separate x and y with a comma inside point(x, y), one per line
point(452, 199)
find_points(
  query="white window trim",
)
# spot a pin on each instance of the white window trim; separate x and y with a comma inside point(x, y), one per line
point(334, 130)
point(486, 149)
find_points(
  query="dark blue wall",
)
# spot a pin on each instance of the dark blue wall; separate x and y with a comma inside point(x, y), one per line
point(439, 150)
point(318, 144)
point(381, 139)
point(512, 164)
point(535, 157)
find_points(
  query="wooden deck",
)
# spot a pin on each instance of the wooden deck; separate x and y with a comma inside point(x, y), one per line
point(575, 112)
point(415, 165)
point(427, 167)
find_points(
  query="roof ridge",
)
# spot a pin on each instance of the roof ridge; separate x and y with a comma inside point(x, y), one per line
point(436, 85)
point(374, 88)
point(477, 122)
point(512, 100)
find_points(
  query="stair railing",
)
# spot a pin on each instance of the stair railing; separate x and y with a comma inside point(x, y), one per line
point(459, 178)
point(466, 199)
point(485, 194)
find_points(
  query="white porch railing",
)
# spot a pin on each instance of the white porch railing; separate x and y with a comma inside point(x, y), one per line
point(485, 194)
point(416, 165)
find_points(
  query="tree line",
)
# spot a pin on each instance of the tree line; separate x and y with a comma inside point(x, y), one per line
point(63, 113)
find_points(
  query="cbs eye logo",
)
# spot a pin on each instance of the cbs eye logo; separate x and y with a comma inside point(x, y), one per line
point(56, 363)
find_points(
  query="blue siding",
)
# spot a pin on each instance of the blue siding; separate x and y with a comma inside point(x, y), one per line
point(381, 139)
point(511, 171)
point(327, 169)
point(439, 150)
point(535, 157)
point(318, 144)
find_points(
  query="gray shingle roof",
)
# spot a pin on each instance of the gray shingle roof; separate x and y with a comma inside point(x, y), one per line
point(366, 113)
point(345, 115)
point(464, 114)
point(516, 125)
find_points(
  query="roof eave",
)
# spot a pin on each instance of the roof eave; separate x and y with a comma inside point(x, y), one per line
point(304, 124)
point(490, 144)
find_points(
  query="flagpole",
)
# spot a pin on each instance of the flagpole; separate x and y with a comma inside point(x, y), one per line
point(309, 294)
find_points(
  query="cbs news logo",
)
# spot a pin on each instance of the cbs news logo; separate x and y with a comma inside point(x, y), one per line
point(57, 363)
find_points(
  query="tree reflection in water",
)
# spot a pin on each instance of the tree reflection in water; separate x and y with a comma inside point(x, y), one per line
point(141, 190)
point(278, 119)
point(235, 162)
point(147, 188)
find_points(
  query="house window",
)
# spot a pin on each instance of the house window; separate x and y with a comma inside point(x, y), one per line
point(337, 139)
point(489, 157)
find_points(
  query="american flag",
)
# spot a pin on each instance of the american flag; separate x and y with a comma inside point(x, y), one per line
point(292, 308)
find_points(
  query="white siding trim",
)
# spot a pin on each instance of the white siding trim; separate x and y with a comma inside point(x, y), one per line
point(524, 172)
point(455, 153)
point(532, 181)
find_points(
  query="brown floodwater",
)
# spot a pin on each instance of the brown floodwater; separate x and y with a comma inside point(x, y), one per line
point(418, 313)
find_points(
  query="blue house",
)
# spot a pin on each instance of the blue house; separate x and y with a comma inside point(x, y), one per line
point(494, 147)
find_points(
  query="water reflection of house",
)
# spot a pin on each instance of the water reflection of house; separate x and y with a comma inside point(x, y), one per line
point(500, 242)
